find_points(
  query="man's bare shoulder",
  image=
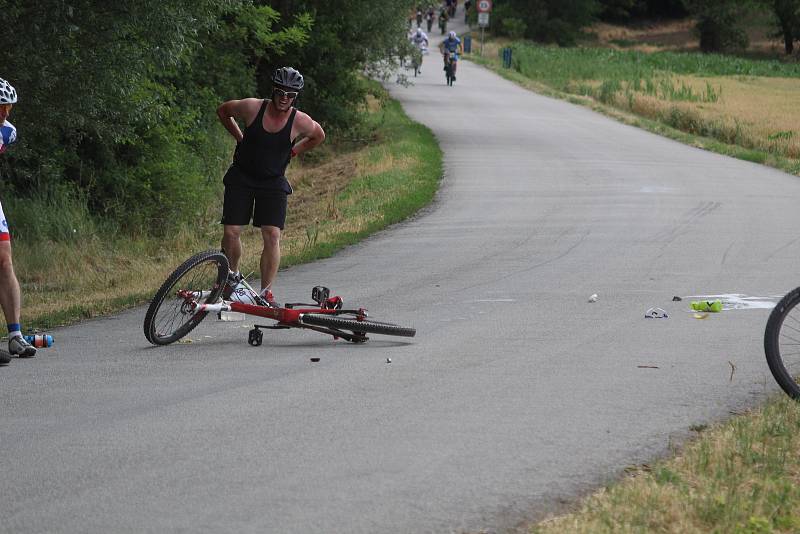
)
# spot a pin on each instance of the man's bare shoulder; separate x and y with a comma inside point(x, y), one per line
point(303, 119)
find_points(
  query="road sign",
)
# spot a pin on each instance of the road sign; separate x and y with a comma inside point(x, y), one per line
point(483, 19)
point(484, 6)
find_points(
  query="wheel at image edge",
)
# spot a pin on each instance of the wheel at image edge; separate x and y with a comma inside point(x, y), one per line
point(772, 347)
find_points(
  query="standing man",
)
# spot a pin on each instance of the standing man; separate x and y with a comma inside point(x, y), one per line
point(10, 299)
point(255, 185)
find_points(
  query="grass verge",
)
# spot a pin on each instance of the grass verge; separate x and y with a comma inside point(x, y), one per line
point(739, 477)
point(339, 199)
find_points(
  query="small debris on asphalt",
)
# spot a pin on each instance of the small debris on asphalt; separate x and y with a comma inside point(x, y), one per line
point(676, 299)
point(314, 359)
point(700, 315)
point(388, 360)
point(593, 298)
point(733, 370)
point(655, 313)
point(647, 366)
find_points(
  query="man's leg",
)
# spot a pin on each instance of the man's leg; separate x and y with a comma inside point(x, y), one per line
point(9, 286)
point(232, 245)
point(270, 256)
point(10, 302)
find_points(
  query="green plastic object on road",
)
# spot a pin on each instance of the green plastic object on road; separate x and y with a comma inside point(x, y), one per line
point(707, 305)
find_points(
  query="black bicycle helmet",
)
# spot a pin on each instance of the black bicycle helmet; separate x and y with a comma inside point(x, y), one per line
point(289, 78)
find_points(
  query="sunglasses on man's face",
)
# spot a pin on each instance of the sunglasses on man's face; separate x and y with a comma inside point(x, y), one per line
point(280, 93)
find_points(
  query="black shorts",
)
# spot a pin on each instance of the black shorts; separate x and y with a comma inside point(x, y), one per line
point(267, 207)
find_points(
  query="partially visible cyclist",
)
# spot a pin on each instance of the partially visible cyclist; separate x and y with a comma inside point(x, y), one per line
point(420, 41)
point(10, 296)
point(451, 48)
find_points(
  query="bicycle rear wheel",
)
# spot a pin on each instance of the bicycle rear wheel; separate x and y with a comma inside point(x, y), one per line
point(355, 326)
point(170, 316)
point(782, 343)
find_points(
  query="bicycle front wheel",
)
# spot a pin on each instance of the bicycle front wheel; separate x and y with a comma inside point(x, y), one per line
point(365, 326)
point(170, 315)
point(782, 343)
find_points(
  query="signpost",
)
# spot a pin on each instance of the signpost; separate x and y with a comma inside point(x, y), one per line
point(484, 8)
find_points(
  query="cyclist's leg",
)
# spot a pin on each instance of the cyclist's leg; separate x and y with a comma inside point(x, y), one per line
point(9, 286)
point(237, 211)
point(232, 245)
point(270, 215)
point(270, 256)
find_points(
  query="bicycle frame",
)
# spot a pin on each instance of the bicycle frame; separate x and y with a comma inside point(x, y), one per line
point(288, 316)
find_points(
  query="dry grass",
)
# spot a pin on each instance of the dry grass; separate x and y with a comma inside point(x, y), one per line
point(95, 274)
point(759, 113)
point(740, 476)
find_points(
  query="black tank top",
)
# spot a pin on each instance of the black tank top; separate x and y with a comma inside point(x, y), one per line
point(263, 156)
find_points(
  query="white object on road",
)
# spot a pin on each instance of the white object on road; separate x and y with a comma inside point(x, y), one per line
point(593, 298)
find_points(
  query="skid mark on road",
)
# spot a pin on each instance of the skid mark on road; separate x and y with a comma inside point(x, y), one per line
point(781, 249)
point(548, 261)
point(698, 212)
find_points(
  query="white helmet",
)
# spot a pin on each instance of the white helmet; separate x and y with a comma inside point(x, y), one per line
point(452, 35)
point(7, 93)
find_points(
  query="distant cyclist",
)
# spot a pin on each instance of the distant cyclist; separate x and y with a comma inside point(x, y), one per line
point(452, 47)
point(10, 299)
point(420, 41)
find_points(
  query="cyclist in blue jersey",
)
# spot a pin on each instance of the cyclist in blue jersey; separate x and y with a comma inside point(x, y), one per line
point(10, 298)
point(451, 46)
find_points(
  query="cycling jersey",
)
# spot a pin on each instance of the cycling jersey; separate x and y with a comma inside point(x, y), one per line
point(451, 44)
point(420, 39)
point(8, 135)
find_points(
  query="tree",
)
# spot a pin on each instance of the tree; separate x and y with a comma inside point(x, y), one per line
point(719, 24)
point(787, 16)
point(553, 21)
point(348, 38)
point(117, 98)
point(624, 10)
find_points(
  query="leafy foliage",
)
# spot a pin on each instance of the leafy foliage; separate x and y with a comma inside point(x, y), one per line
point(787, 21)
point(348, 37)
point(624, 10)
point(116, 100)
point(720, 24)
point(550, 21)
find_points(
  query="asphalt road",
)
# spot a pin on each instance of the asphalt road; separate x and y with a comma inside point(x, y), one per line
point(516, 394)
